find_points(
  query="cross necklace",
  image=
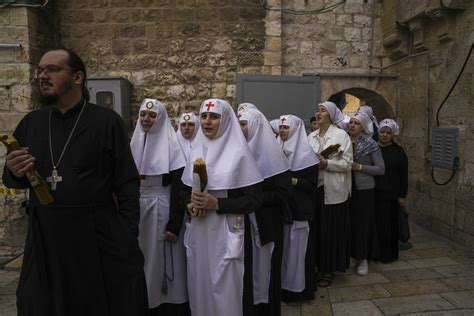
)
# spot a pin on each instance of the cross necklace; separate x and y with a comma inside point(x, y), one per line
point(55, 178)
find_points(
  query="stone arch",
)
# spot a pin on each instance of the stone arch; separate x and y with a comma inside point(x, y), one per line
point(379, 104)
point(378, 91)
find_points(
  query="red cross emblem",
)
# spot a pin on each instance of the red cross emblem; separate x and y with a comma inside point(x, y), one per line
point(209, 106)
point(282, 121)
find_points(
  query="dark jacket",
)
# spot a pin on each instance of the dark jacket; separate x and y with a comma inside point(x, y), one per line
point(303, 201)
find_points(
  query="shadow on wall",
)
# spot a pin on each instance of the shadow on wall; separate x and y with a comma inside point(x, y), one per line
point(381, 107)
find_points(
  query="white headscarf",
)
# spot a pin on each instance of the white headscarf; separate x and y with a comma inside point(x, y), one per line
point(364, 119)
point(275, 125)
point(337, 118)
point(157, 151)
point(390, 124)
point(296, 147)
point(367, 109)
point(263, 144)
point(229, 162)
point(246, 106)
point(185, 143)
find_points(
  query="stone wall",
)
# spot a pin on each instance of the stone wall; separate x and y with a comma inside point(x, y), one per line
point(24, 26)
point(14, 89)
point(179, 52)
point(431, 43)
point(339, 40)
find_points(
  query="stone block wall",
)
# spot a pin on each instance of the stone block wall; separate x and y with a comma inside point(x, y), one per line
point(33, 30)
point(179, 52)
point(441, 35)
point(15, 94)
point(341, 40)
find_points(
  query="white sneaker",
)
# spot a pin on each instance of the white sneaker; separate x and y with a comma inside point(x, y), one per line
point(363, 267)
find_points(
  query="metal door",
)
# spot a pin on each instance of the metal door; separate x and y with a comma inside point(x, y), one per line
point(279, 95)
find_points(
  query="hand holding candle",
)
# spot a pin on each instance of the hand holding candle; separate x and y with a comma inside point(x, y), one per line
point(37, 182)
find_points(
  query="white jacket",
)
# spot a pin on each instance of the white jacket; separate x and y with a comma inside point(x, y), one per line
point(336, 178)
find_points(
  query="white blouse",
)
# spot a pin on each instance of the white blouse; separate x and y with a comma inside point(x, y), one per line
point(336, 178)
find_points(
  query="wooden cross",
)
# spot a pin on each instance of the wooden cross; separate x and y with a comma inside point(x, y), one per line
point(54, 179)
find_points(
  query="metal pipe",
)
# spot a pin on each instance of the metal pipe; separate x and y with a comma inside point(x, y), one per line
point(10, 45)
point(398, 61)
point(355, 75)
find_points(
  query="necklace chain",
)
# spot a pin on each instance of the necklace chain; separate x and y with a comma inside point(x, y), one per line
point(55, 166)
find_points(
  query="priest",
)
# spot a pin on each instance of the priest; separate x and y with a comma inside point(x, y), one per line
point(81, 254)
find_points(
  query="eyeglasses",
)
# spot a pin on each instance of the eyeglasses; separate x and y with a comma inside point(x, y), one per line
point(48, 70)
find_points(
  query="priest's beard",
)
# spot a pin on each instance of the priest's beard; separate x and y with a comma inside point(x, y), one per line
point(53, 98)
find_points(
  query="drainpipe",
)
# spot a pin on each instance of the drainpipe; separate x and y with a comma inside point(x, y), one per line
point(5, 45)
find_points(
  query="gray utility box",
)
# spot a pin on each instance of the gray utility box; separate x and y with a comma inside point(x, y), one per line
point(444, 154)
point(112, 93)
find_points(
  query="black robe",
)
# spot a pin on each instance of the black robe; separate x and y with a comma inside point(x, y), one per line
point(276, 192)
point(81, 254)
point(389, 187)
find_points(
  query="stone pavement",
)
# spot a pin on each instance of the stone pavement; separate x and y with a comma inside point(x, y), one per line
point(435, 277)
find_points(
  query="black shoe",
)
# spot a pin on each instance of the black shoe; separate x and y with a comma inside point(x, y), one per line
point(404, 245)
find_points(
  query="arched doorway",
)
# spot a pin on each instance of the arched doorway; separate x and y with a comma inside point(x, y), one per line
point(354, 97)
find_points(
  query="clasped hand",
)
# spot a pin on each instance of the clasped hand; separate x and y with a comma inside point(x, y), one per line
point(201, 202)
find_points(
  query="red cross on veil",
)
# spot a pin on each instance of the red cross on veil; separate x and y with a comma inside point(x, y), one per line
point(209, 106)
point(282, 121)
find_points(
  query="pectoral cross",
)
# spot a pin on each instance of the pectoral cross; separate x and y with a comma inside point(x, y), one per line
point(54, 179)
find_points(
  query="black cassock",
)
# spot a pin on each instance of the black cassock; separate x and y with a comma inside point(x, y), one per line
point(81, 254)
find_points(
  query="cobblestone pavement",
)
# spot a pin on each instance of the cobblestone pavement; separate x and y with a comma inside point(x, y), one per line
point(435, 277)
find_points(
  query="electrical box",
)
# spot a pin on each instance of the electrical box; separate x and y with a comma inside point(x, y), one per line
point(444, 154)
point(113, 93)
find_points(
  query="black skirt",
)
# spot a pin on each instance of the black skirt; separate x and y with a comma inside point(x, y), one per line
point(332, 235)
point(386, 230)
point(362, 223)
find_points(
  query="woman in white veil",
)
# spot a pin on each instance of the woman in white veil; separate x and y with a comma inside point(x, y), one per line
point(214, 237)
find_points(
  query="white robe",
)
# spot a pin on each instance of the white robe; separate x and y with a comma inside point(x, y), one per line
point(295, 242)
point(154, 215)
point(261, 261)
point(215, 252)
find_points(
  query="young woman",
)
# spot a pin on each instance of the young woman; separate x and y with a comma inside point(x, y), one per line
point(390, 192)
point(334, 187)
point(160, 161)
point(188, 128)
point(267, 221)
point(368, 162)
point(298, 257)
point(372, 128)
point(214, 237)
